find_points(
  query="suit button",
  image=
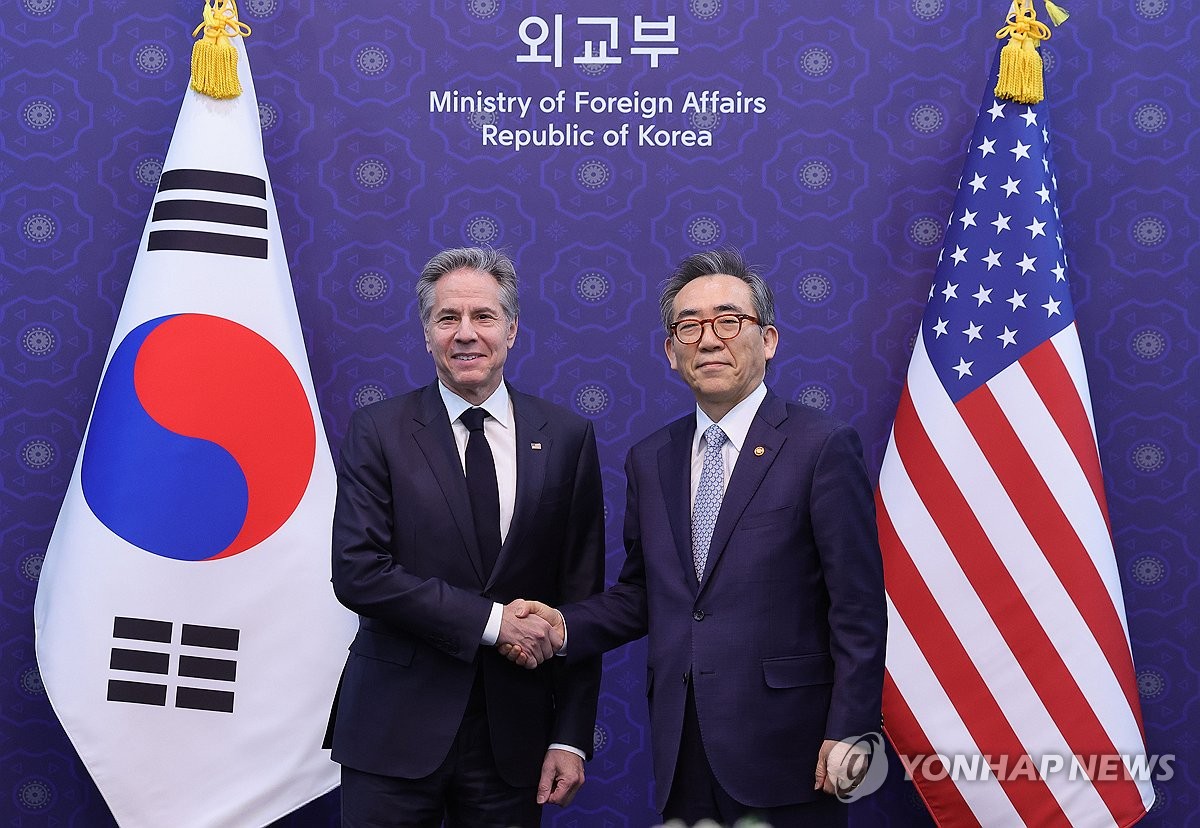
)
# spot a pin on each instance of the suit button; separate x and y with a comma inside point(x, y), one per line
point(685, 678)
point(698, 615)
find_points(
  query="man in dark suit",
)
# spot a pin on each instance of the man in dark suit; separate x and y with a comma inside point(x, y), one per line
point(453, 500)
point(753, 563)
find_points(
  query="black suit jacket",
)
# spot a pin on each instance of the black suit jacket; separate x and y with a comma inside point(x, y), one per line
point(406, 560)
point(783, 640)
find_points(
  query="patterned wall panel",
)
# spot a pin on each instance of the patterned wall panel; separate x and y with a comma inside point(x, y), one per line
point(828, 151)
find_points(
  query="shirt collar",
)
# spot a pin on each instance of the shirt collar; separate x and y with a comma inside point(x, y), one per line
point(497, 405)
point(735, 423)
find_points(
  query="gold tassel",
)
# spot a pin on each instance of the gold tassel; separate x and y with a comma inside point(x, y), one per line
point(214, 58)
point(1020, 77)
point(1058, 15)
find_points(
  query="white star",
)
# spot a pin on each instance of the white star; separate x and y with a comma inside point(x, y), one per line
point(959, 255)
point(1008, 337)
point(1051, 307)
point(997, 110)
point(963, 368)
point(1026, 264)
point(1020, 151)
point(950, 291)
point(1045, 136)
point(1045, 163)
point(982, 295)
point(992, 258)
point(940, 327)
point(968, 218)
point(1030, 116)
point(1001, 223)
point(977, 183)
point(1010, 187)
point(1036, 229)
point(987, 145)
point(931, 287)
point(1044, 193)
point(972, 331)
point(1017, 300)
point(1060, 273)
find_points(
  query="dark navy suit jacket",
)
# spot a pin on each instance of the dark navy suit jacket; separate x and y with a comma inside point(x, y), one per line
point(405, 558)
point(784, 637)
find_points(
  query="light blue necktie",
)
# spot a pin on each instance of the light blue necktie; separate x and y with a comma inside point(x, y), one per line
point(708, 497)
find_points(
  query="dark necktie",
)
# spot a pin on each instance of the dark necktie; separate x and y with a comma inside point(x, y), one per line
point(482, 487)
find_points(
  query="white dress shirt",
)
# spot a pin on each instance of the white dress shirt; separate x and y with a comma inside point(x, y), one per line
point(501, 434)
point(735, 424)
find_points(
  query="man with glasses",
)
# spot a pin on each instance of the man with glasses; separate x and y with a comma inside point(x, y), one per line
point(753, 564)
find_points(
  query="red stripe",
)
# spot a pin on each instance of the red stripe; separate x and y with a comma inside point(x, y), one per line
point(941, 796)
point(1051, 379)
point(1057, 540)
point(971, 697)
point(1041, 663)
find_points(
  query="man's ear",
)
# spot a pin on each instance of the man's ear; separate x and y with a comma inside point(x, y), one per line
point(770, 341)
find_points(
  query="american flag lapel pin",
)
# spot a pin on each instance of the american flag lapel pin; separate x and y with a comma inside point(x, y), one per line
point(536, 446)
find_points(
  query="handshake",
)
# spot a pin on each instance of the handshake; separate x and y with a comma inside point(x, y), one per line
point(530, 632)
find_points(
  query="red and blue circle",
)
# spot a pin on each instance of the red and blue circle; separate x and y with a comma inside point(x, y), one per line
point(202, 441)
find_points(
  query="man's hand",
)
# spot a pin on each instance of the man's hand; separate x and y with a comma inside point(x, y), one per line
point(840, 767)
point(562, 776)
point(526, 637)
point(514, 651)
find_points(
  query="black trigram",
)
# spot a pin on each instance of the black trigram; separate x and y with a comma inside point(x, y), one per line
point(128, 658)
point(192, 218)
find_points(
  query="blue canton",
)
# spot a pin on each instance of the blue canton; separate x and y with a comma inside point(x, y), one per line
point(1000, 288)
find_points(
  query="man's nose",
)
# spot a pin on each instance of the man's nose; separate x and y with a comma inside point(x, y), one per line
point(708, 337)
point(465, 332)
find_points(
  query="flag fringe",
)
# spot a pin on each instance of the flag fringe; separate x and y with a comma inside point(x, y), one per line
point(1058, 15)
point(214, 60)
point(1020, 77)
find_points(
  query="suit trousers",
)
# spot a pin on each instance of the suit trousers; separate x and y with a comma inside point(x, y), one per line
point(697, 795)
point(466, 791)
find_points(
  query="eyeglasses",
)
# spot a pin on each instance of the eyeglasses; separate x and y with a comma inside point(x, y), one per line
point(725, 326)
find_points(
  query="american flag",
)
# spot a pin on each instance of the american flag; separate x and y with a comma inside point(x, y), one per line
point(1007, 641)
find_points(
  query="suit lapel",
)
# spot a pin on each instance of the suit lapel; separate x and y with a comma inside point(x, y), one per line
point(675, 475)
point(436, 441)
point(533, 451)
point(748, 474)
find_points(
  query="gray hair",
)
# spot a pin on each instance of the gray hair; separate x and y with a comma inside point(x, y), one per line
point(495, 262)
point(728, 262)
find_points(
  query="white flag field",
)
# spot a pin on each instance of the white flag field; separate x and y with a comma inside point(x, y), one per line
point(187, 633)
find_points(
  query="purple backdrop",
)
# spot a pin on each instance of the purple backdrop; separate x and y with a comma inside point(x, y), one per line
point(833, 166)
